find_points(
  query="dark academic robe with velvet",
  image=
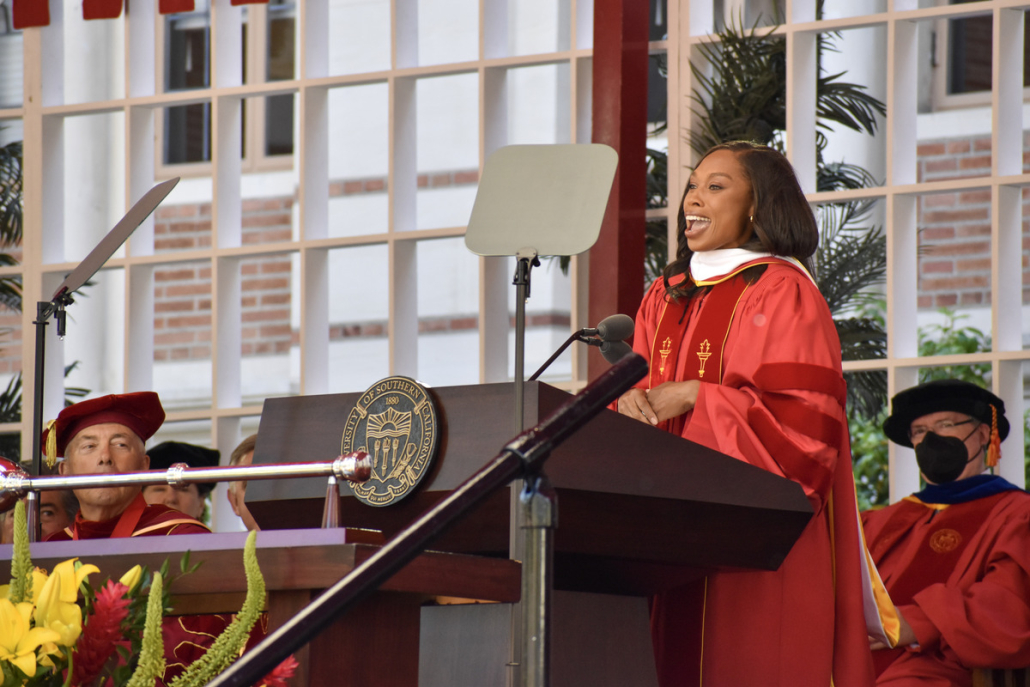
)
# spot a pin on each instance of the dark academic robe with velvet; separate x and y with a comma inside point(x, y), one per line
point(186, 638)
point(955, 559)
point(779, 406)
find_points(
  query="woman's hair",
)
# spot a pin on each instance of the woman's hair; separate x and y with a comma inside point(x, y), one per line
point(783, 223)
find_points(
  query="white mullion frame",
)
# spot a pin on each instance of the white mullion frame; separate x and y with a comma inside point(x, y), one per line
point(801, 78)
point(139, 328)
point(580, 122)
point(402, 263)
point(902, 90)
point(140, 56)
point(140, 163)
point(1006, 334)
point(1007, 92)
point(34, 143)
point(312, 155)
point(494, 280)
point(226, 332)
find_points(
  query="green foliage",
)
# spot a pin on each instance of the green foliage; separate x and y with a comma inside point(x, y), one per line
point(869, 451)
point(950, 339)
point(743, 96)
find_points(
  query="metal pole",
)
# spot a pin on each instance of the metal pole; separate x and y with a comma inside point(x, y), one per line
point(43, 310)
point(540, 513)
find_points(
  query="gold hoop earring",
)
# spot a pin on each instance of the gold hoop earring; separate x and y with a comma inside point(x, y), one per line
point(751, 219)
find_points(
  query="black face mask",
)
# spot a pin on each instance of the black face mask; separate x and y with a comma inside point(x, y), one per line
point(942, 459)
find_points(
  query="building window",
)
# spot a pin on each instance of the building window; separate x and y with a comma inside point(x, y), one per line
point(269, 50)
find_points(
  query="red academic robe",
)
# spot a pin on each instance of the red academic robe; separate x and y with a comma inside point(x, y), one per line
point(779, 406)
point(960, 574)
point(186, 638)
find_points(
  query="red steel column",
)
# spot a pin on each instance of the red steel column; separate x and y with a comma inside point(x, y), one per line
point(620, 68)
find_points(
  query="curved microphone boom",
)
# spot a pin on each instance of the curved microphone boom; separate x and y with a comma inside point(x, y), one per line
point(609, 335)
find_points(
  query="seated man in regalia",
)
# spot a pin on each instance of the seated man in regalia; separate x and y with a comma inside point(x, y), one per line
point(955, 557)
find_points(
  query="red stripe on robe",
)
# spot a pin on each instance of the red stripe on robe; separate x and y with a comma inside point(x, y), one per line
point(101, 9)
point(249, 2)
point(173, 6)
point(28, 13)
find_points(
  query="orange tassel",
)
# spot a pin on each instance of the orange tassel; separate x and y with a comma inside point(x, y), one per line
point(994, 449)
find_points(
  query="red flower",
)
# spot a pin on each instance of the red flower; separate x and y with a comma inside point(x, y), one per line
point(279, 675)
point(101, 633)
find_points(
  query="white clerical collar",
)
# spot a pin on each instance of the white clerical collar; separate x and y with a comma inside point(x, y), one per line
point(712, 264)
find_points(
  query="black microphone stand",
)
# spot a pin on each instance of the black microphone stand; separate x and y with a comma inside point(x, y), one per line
point(44, 311)
point(55, 308)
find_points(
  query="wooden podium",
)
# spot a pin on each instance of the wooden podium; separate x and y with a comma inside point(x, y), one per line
point(639, 510)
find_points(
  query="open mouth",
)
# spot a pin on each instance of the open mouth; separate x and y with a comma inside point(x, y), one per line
point(697, 223)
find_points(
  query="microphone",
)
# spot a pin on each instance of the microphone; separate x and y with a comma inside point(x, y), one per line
point(609, 336)
point(617, 327)
point(614, 351)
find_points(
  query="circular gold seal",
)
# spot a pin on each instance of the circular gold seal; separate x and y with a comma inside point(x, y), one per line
point(943, 541)
point(395, 423)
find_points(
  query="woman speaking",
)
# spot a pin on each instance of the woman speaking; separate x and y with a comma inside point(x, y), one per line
point(744, 359)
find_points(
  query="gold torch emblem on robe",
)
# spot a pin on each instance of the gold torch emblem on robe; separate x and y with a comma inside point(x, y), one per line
point(704, 354)
point(665, 350)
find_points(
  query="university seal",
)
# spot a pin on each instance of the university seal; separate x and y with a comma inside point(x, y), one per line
point(394, 422)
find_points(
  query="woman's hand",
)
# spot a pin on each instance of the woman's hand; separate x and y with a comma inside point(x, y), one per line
point(660, 403)
point(634, 404)
point(672, 399)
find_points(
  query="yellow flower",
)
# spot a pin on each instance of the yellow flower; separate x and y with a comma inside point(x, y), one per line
point(131, 578)
point(71, 578)
point(18, 642)
point(54, 613)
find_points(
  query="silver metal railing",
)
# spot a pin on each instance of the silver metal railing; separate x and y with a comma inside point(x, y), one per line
point(15, 483)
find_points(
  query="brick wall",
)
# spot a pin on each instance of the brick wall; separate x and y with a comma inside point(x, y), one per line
point(954, 261)
point(955, 228)
point(182, 291)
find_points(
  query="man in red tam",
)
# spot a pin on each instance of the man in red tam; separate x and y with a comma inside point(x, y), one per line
point(106, 435)
point(954, 557)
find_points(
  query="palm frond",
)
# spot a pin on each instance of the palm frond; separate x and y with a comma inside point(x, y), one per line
point(11, 194)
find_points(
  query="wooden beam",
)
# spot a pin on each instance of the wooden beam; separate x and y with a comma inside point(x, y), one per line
point(620, 120)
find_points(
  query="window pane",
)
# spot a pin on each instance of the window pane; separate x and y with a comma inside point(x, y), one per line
point(94, 181)
point(358, 159)
point(954, 252)
point(269, 358)
point(359, 350)
point(187, 134)
point(538, 104)
point(188, 57)
point(969, 54)
point(538, 26)
point(448, 306)
point(11, 68)
point(448, 32)
point(281, 41)
point(182, 334)
point(93, 58)
point(279, 124)
point(96, 335)
point(447, 149)
point(360, 36)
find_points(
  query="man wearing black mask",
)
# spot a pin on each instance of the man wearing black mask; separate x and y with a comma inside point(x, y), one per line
point(954, 557)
